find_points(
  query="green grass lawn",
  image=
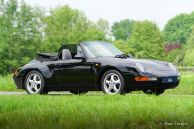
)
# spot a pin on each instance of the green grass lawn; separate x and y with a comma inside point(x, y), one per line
point(7, 83)
point(186, 85)
point(96, 112)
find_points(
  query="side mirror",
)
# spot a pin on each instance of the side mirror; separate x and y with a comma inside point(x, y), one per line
point(130, 56)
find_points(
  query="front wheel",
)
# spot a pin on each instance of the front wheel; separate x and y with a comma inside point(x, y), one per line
point(112, 83)
point(154, 92)
point(34, 83)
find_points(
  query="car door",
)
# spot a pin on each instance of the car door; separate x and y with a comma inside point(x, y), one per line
point(75, 72)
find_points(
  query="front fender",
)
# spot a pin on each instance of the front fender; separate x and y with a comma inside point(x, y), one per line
point(126, 71)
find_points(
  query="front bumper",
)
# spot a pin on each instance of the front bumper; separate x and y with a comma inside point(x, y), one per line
point(165, 82)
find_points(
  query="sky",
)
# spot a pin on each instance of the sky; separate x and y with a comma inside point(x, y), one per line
point(158, 11)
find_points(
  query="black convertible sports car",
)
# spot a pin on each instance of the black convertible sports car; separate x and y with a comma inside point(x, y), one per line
point(92, 66)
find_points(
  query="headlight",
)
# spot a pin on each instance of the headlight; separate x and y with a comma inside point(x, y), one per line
point(140, 67)
point(172, 67)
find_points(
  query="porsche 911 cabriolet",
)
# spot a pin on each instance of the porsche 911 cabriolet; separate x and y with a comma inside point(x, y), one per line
point(95, 66)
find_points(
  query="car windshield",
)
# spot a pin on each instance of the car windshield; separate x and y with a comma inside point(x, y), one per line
point(100, 49)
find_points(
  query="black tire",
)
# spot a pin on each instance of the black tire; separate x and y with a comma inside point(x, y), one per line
point(121, 90)
point(42, 89)
point(154, 92)
point(78, 92)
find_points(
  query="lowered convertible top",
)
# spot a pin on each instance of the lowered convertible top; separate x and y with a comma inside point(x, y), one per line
point(56, 56)
point(47, 56)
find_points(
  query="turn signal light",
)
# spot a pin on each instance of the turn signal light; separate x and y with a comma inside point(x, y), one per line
point(142, 78)
point(145, 78)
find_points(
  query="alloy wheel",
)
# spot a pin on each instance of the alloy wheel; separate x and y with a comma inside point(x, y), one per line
point(33, 83)
point(112, 83)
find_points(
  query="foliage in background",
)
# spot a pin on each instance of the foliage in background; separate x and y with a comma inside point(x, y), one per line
point(174, 53)
point(122, 45)
point(20, 34)
point(189, 48)
point(146, 40)
point(69, 26)
point(175, 56)
point(169, 47)
point(178, 29)
point(189, 58)
point(24, 30)
point(122, 30)
point(103, 25)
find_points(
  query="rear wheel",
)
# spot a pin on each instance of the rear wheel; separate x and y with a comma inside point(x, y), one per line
point(34, 83)
point(154, 92)
point(112, 83)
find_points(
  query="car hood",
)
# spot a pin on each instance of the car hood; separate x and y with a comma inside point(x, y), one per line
point(149, 65)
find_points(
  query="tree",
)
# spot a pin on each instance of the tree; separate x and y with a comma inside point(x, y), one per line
point(122, 30)
point(67, 26)
point(146, 40)
point(20, 34)
point(103, 25)
point(178, 29)
point(122, 45)
point(189, 48)
point(174, 53)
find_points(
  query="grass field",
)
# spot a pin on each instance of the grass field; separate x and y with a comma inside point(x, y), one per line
point(186, 85)
point(96, 112)
point(6, 83)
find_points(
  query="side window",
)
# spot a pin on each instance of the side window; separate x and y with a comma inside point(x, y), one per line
point(79, 51)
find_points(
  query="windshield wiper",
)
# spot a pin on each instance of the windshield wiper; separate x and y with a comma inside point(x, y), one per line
point(121, 56)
